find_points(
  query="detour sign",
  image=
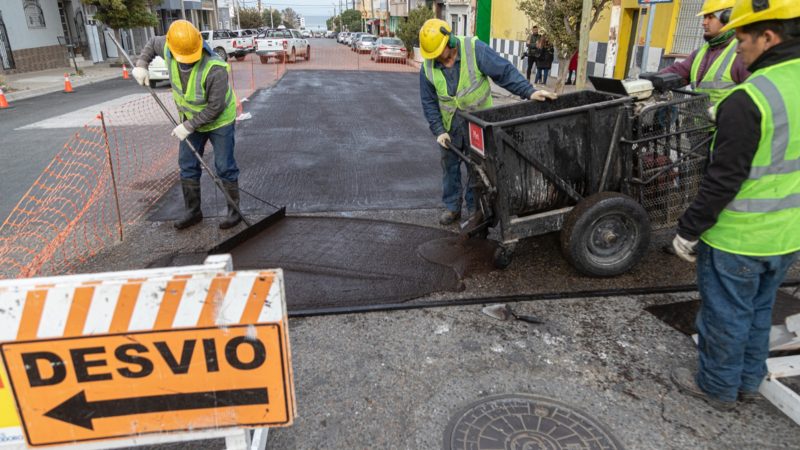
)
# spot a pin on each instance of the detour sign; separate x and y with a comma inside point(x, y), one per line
point(105, 386)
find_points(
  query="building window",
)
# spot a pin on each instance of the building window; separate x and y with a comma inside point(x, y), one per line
point(34, 16)
point(454, 23)
point(689, 29)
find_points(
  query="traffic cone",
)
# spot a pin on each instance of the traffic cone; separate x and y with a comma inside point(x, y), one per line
point(3, 101)
point(124, 72)
point(67, 84)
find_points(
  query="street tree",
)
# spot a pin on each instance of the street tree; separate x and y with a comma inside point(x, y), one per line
point(351, 20)
point(290, 18)
point(120, 14)
point(250, 18)
point(271, 18)
point(560, 20)
point(409, 30)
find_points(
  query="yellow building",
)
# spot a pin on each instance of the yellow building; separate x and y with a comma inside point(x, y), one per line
point(617, 40)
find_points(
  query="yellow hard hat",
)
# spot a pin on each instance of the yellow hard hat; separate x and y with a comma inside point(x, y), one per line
point(712, 6)
point(184, 42)
point(746, 12)
point(431, 39)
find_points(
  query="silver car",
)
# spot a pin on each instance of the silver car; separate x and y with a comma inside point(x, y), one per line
point(389, 49)
point(365, 43)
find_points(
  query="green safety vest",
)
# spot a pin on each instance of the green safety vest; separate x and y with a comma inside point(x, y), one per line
point(764, 217)
point(474, 91)
point(717, 80)
point(195, 98)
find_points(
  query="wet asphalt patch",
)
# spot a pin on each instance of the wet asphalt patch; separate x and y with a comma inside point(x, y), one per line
point(329, 141)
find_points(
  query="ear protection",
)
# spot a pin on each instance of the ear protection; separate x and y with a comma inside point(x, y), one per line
point(725, 16)
point(452, 41)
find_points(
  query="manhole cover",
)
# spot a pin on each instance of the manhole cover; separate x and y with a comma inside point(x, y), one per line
point(525, 422)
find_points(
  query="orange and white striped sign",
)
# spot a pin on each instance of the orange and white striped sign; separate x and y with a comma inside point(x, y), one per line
point(57, 316)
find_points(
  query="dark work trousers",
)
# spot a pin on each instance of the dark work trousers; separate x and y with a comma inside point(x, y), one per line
point(531, 63)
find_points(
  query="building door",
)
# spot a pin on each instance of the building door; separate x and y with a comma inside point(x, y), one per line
point(633, 43)
point(6, 58)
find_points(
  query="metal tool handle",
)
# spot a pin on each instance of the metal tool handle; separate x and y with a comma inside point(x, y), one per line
point(174, 122)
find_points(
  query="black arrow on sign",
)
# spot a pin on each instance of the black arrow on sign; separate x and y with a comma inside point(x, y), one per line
point(76, 410)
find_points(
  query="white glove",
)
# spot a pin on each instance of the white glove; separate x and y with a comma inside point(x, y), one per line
point(712, 113)
point(443, 140)
point(542, 95)
point(181, 132)
point(141, 75)
point(684, 248)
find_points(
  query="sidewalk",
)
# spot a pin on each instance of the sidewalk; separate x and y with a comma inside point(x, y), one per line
point(32, 84)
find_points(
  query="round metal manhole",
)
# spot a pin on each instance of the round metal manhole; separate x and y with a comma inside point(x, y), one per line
point(525, 422)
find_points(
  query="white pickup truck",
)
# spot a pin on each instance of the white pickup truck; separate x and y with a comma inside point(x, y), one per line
point(283, 45)
point(226, 44)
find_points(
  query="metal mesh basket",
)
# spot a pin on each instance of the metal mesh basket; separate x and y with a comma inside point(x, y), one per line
point(668, 151)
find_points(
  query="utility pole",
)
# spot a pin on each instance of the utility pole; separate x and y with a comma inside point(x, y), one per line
point(271, 20)
point(583, 45)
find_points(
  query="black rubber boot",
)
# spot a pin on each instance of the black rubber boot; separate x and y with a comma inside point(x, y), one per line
point(191, 201)
point(233, 217)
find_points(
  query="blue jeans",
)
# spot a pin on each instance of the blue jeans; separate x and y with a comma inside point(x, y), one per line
point(735, 318)
point(541, 76)
point(451, 173)
point(224, 163)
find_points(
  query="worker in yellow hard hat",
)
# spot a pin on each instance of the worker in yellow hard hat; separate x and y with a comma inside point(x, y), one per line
point(455, 76)
point(713, 68)
point(743, 229)
point(207, 109)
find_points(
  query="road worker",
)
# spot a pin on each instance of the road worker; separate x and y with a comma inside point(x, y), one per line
point(715, 67)
point(743, 229)
point(455, 76)
point(207, 109)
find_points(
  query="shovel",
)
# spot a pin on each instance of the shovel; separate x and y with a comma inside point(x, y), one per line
point(504, 312)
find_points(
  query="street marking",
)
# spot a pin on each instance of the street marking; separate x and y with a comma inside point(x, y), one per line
point(80, 117)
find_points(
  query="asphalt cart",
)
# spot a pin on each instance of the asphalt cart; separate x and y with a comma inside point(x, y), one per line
point(603, 169)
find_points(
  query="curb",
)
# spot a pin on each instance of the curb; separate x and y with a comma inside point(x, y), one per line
point(29, 93)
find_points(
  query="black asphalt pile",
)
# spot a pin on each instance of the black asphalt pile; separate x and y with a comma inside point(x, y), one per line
point(364, 146)
point(336, 262)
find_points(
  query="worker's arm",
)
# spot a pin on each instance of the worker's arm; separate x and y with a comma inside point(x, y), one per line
point(154, 47)
point(502, 71)
point(737, 137)
point(430, 104)
point(683, 68)
point(216, 90)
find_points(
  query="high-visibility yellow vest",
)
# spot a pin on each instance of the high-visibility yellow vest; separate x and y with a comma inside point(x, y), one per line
point(195, 98)
point(764, 217)
point(718, 79)
point(473, 92)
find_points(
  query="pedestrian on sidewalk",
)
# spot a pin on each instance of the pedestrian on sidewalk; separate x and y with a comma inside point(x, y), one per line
point(743, 228)
point(455, 76)
point(207, 109)
point(531, 52)
point(573, 69)
point(544, 60)
point(715, 67)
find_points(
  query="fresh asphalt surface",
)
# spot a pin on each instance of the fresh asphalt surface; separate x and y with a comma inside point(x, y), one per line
point(26, 152)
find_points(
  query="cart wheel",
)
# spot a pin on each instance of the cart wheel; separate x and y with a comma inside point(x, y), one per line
point(606, 234)
point(502, 257)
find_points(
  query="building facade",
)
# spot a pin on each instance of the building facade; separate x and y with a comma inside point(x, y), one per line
point(29, 36)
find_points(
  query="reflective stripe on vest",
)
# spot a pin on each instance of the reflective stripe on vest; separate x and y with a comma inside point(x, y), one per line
point(764, 218)
point(718, 79)
point(194, 100)
point(473, 91)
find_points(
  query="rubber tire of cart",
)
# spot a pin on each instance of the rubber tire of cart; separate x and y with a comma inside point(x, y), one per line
point(502, 257)
point(604, 212)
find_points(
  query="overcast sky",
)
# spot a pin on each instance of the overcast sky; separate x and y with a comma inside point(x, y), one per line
point(305, 7)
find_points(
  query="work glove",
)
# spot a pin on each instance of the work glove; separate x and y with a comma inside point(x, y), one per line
point(542, 95)
point(181, 132)
point(443, 140)
point(141, 75)
point(684, 248)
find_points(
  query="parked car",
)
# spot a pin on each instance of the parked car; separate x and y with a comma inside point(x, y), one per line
point(225, 44)
point(246, 38)
point(305, 34)
point(158, 71)
point(282, 44)
point(354, 39)
point(389, 49)
point(342, 37)
point(365, 43)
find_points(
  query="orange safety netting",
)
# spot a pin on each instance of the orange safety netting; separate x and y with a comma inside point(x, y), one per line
point(115, 168)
